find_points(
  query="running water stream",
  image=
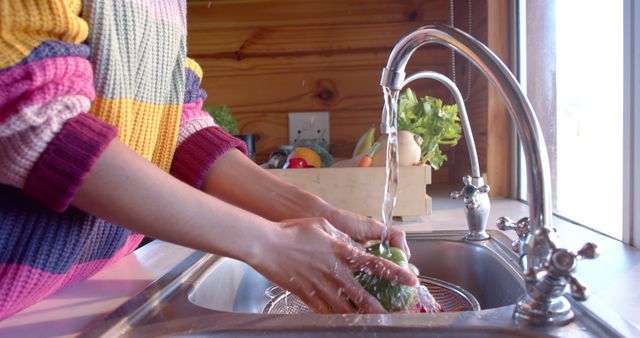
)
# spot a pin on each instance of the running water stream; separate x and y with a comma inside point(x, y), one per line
point(390, 126)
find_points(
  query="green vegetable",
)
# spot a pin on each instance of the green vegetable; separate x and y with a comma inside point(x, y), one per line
point(393, 297)
point(222, 116)
point(327, 159)
point(436, 123)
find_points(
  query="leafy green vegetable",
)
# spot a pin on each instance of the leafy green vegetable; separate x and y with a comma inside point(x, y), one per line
point(222, 116)
point(327, 159)
point(429, 118)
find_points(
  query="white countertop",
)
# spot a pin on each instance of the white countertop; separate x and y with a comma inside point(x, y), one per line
point(67, 312)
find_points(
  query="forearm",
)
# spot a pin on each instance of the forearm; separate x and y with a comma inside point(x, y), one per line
point(236, 179)
point(125, 189)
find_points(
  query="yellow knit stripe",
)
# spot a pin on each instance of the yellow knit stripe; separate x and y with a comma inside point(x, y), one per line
point(149, 129)
point(24, 24)
point(194, 66)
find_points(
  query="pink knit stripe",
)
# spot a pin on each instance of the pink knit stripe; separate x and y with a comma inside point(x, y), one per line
point(198, 153)
point(58, 173)
point(192, 126)
point(37, 82)
point(59, 108)
point(24, 136)
point(23, 285)
point(193, 110)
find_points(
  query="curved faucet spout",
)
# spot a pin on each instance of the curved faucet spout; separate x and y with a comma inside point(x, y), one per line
point(474, 192)
point(466, 126)
point(544, 266)
point(535, 150)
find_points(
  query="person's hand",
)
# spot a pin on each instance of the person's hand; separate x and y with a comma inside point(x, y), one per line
point(317, 262)
point(362, 229)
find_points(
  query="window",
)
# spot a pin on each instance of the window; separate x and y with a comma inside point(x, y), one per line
point(574, 73)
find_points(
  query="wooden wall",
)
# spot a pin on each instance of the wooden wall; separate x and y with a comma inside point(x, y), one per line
point(266, 58)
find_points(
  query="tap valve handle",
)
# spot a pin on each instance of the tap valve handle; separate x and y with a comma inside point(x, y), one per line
point(562, 264)
point(456, 195)
point(588, 251)
point(484, 189)
point(469, 190)
point(521, 228)
point(579, 291)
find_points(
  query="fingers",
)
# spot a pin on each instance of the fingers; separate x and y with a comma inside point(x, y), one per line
point(383, 268)
point(398, 239)
point(362, 228)
point(327, 299)
point(336, 298)
point(359, 296)
point(374, 230)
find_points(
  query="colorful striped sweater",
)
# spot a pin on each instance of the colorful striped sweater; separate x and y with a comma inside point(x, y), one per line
point(74, 75)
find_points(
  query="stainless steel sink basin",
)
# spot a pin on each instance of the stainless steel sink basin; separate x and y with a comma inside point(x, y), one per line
point(233, 286)
point(213, 296)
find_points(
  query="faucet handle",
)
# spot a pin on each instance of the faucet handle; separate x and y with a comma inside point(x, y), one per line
point(588, 251)
point(579, 291)
point(562, 263)
point(522, 229)
point(469, 190)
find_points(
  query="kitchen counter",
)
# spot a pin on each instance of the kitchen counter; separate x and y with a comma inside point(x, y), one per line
point(67, 312)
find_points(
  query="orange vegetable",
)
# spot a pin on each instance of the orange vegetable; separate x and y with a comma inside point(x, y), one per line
point(367, 157)
point(365, 161)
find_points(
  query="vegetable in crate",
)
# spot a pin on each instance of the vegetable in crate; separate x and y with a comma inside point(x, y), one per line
point(435, 122)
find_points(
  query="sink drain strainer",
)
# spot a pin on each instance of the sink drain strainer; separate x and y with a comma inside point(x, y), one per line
point(449, 296)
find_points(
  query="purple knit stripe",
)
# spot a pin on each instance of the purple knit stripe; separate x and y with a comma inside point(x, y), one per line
point(60, 170)
point(192, 90)
point(55, 48)
point(25, 285)
point(198, 153)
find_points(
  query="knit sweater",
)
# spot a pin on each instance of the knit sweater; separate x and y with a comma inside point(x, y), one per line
point(73, 76)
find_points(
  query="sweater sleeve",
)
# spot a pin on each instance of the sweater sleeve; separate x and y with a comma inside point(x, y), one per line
point(48, 143)
point(200, 141)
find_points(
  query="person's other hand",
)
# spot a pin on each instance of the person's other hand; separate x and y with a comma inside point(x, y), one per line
point(361, 228)
point(317, 262)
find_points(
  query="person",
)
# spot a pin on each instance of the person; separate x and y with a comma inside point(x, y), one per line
point(103, 139)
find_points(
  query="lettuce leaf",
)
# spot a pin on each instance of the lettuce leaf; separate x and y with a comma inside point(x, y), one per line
point(435, 122)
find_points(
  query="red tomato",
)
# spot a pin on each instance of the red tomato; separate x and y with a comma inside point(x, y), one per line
point(298, 163)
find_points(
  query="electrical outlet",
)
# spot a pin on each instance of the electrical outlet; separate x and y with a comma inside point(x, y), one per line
point(309, 126)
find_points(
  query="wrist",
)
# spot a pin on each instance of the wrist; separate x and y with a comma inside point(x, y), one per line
point(310, 205)
point(262, 244)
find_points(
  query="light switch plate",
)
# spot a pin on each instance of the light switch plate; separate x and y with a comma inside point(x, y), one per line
point(313, 126)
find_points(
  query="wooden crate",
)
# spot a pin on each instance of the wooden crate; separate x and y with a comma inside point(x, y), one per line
point(361, 189)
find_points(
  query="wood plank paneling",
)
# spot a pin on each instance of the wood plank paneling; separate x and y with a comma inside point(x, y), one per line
point(285, 41)
point(213, 14)
point(311, 82)
point(498, 164)
point(266, 58)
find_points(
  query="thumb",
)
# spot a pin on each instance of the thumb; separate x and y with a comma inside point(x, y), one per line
point(373, 229)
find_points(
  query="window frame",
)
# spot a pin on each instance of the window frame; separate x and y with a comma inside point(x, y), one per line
point(631, 133)
point(631, 120)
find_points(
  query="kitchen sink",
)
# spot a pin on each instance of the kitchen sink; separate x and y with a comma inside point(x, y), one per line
point(208, 295)
point(233, 286)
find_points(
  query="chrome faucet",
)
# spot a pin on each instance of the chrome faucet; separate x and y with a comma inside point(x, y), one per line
point(475, 192)
point(547, 269)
